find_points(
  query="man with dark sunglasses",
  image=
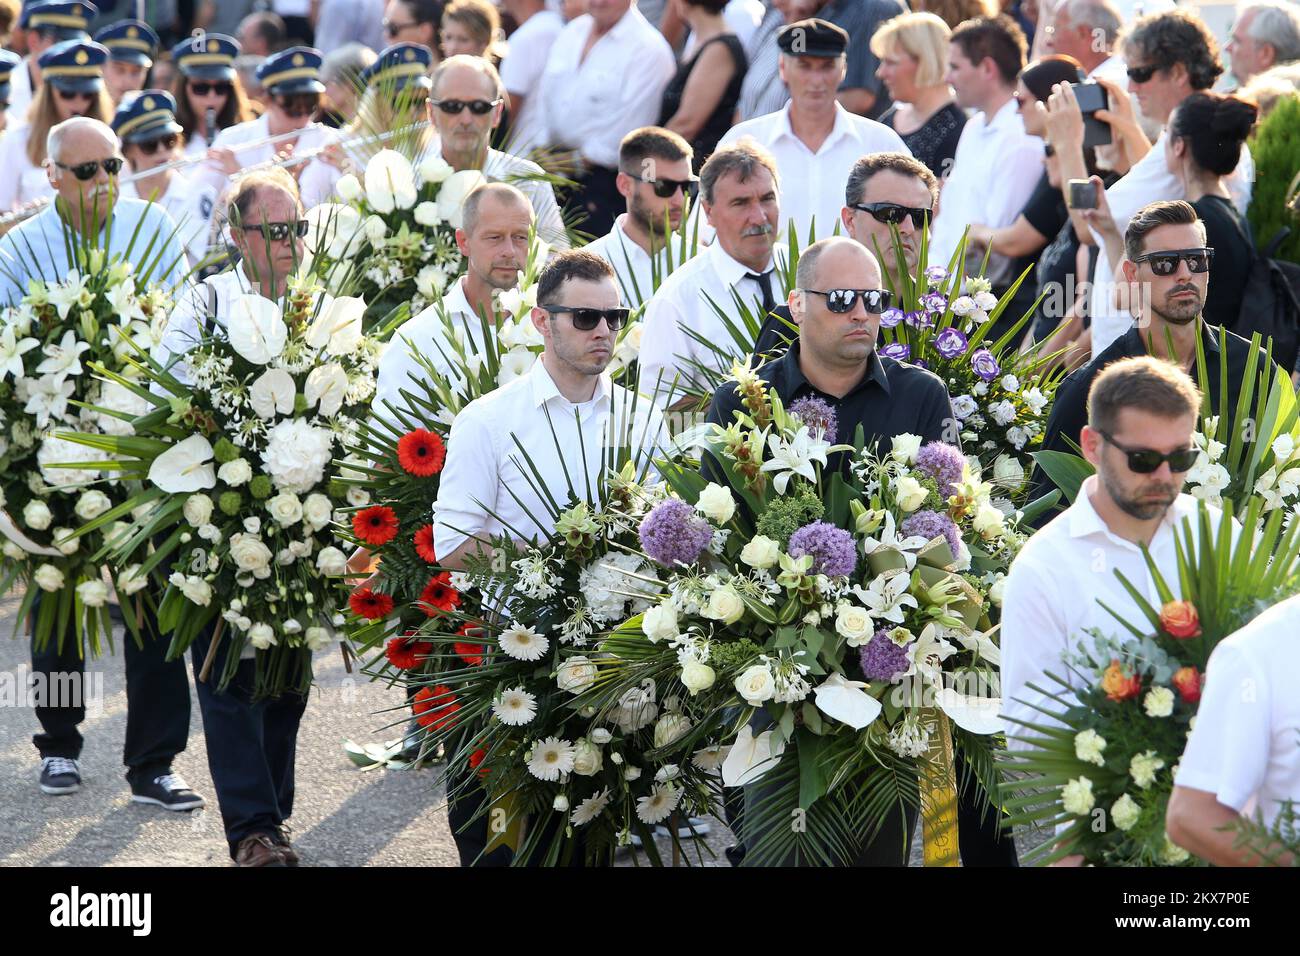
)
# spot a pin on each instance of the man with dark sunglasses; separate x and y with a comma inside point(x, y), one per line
point(1141, 415)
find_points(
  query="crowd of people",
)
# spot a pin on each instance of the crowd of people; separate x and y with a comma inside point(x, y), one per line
point(666, 151)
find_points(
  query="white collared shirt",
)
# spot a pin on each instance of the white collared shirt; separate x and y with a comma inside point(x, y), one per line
point(20, 93)
point(311, 136)
point(1244, 747)
point(1054, 593)
point(591, 104)
point(521, 73)
point(188, 325)
point(683, 302)
point(994, 172)
point(633, 265)
point(487, 486)
point(812, 184)
point(190, 205)
point(21, 182)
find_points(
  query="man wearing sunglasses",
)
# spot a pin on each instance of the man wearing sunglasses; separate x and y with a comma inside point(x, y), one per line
point(1141, 415)
point(146, 125)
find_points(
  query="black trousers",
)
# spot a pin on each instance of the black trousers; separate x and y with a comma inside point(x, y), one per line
point(157, 703)
point(251, 746)
point(978, 837)
point(596, 202)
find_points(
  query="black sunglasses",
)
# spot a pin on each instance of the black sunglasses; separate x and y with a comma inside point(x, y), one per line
point(874, 301)
point(298, 105)
point(1166, 263)
point(392, 29)
point(87, 171)
point(664, 188)
point(202, 88)
point(67, 95)
point(454, 107)
point(278, 231)
point(584, 320)
point(1143, 461)
point(891, 213)
point(150, 146)
point(1140, 74)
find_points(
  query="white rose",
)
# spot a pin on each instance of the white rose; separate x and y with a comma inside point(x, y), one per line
point(904, 447)
point(989, 522)
point(235, 473)
point(761, 552)
point(725, 605)
point(660, 623)
point(93, 593)
point(601, 736)
point(697, 677)
point(429, 282)
point(131, 581)
point(253, 525)
point(561, 803)
point(909, 493)
point(1008, 471)
point(316, 638)
point(631, 773)
point(63, 540)
point(1283, 448)
point(375, 229)
point(296, 454)
point(197, 510)
point(576, 674)
point(36, 515)
point(756, 685)
point(426, 214)
point(1159, 702)
point(348, 188)
point(249, 552)
point(261, 636)
point(13, 552)
point(331, 562)
point(716, 503)
point(195, 589)
point(587, 759)
point(998, 590)
point(854, 624)
point(671, 728)
point(285, 509)
point(433, 170)
point(317, 511)
point(92, 504)
point(48, 577)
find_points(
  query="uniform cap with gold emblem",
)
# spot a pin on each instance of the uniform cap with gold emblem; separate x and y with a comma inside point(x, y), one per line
point(8, 63)
point(207, 56)
point(145, 116)
point(76, 66)
point(400, 65)
point(59, 18)
point(295, 70)
point(130, 41)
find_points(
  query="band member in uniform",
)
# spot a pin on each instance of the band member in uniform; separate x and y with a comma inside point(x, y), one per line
point(209, 94)
point(44, 25)
point(9, 62)
point(132, 46)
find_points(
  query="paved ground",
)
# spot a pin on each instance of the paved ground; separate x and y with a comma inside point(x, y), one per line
point(344, 816)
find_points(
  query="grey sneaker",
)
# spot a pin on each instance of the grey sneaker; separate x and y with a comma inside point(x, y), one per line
point(59, 776)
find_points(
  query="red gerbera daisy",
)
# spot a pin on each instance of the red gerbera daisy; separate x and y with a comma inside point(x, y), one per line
point(475, 761)
point(471, 652)
point(438, 595)
point(370, 604)
point(424, 544)
point(407, 652)
point(375, 526)
point(421, 453)
point(435, 708)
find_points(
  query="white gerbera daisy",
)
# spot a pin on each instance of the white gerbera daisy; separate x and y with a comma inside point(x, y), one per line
point(590, 808)
point(551, 757)
point(523, 643)
point(659, 805)
point(515, 707)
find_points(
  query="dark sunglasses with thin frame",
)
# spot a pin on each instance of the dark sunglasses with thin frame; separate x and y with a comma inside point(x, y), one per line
point(87, 171)
point(454, 107)
point(664, 188)
point(277, 231)
point(891, 213)
point(203, 88)
point(584, 320)
point(874, 301)
point(1144, 461)
point(150, 146)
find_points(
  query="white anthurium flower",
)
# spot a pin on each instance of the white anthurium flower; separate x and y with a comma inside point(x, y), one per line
point(334, 230)
point(185, 467)
point(979, 715)
point(12, 350)
point(338, 324)
point(326, 386)
point(846, 701)
point(750, 757)
point(389, 179)
point(887, 597)
point(64, 358)
point(272, 393)
point(433, 170)
point(67, 293)
point(927, 654)
point(47, 398)
point(256, 328)
point(794, 457)
point(452, 195)
point(348, 188)
point(889, 540)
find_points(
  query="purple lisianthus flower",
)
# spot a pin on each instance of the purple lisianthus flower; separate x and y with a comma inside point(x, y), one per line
point(942, 462)
point(930, 525)
point(936, 274)
point(950, 342)
point(882, 659)
point(985, 365)
point(934, 301)
point(898, 351)
point(891, 317)
point(918, 320)
point(673, 533)
point(833, 551)
point(817, 415)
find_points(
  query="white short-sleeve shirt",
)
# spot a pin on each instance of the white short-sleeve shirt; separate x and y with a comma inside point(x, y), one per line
point(521, 72)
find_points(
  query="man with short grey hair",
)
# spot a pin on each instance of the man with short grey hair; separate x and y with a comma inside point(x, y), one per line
point(1087, 30)
point(1266, 34)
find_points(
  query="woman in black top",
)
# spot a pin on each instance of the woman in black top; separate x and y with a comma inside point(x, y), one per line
point(1203, 147)
point(913, 52)
point(700, 101)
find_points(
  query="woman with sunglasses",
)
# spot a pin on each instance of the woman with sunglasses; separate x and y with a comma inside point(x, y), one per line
point(207, 87)
point(414, 21)
point(73, 86)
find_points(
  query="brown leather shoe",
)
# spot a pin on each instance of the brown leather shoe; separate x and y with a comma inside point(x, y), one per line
point(259, 849)
point(281, 838)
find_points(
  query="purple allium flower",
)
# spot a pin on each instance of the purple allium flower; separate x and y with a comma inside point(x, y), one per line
point(833, 551)
point(985, 365)
point(817, 415)
point(950, 342)
point(882, 659)
point(673, 533)
point(891, 317)
point(933, 524)
point(898, 351)
point(934, 301)
point(936, 274)
point(944, 463)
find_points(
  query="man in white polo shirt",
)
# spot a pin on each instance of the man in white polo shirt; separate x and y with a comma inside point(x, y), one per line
point(814, 139)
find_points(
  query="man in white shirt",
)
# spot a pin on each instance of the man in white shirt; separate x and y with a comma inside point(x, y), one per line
point(521, 71)
point(814, 139)
point(1266, 34)
point(997, 163)
point(739, 187)
point(1243, 757)
point(497, 219)
point(605, 77)
point(643, 246)
point(1087, 30)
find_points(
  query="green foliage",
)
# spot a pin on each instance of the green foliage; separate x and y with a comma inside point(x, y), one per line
point(785, 516)
point(1276, 151)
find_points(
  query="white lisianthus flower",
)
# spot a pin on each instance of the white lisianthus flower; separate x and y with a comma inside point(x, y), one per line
point(671, 728)
point(1077, 798)
point(48, 578)
point(1035, 400)
point(63, 540)
point(756, 685)
point(93, 593)
point(196, 590)
point(131, 581)
point(697, 677)
point(317, 638)
point(1159, 702)
point(285, 509)
point(1010, 383)
point(1125, 812)
point(92, 504)
point(331, 562)
point(197, 509)
point(1088, 747)
point(660, 623)
point(1003, 412)
point(576, 674)
point(761, 552)
point(317, 511)
point(587, 758)
point(37, 515)
point(235, 473)
point(904, 447)
point(908, 493)
point(716, 503)
point(297, 454)
point(250, 553)
point(963, 406)
point(262, 636)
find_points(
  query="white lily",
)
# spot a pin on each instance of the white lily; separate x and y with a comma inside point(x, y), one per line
point(64, 358)
point(185, 467)
point(846, 701)
point(889, 540)
point(12, 351)
point(979, 715)
point(47, 397)
point(124, 302)
point(887, 597)
point(982, 644)
point(795, 457)
point(927, 655)
point(272, 393)
point(750, 757)
point(67, 293)
point(256, 328)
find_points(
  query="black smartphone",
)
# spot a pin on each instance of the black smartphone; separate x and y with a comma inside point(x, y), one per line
point(1082, 194)
point(1092, 97)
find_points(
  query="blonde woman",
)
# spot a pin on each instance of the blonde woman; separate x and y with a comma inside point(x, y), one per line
point(471, 27)
point(73, 85)
point(913, 52)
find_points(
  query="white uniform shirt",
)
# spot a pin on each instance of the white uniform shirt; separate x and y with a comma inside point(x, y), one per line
point(484, 458)
point(812, 184)
point(521, 72)
point(190, 205)
point(632, 264)
point(311, 136)
point(1245, 748)
point(591, 104)
point(20, 93)
point(20, 181)
point(1053, 594)
point(683, 302)
point(994, 172)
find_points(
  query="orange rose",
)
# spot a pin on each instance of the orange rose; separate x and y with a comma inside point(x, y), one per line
point(1118, 684)
point(1188, 682)
point(1180, 621)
